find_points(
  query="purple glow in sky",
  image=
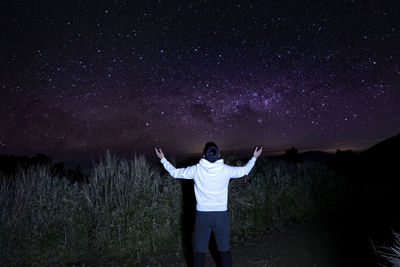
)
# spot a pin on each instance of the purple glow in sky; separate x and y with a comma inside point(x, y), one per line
point(81, 77)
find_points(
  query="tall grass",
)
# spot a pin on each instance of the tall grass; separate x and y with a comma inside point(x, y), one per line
point(129, 209)
point(391, 253)
point(37, 216)
point(277, 193)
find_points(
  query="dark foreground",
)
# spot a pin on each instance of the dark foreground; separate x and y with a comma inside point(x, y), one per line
point(308, 244)
point(345, 238)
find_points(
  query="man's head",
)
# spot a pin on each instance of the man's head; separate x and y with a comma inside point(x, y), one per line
point(211, 152)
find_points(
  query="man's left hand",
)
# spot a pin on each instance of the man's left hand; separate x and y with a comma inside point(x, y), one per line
point(159, 153)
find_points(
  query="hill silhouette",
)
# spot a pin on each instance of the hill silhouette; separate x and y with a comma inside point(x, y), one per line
point(385, 152)
point(10, 165)
point(378, 164)
point(371, 209)
point(317, 156)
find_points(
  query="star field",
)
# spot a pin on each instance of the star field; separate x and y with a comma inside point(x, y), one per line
point(81, 77)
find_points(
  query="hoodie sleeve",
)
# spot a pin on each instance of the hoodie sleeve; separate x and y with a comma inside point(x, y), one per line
point(183, 173)
point(237, 172)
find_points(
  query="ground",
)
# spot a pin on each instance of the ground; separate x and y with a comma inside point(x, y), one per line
point(308, 244)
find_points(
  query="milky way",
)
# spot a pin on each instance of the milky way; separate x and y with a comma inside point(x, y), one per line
point(84, 76)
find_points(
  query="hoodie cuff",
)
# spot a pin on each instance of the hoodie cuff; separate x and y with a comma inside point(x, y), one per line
point(163, 160)
point(254, 158)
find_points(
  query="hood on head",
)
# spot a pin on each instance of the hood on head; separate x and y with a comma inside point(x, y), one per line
point(211, 168)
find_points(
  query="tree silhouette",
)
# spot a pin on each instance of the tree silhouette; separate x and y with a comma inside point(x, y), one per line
point(292, 155)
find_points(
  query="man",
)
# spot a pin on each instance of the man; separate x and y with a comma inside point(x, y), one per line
point(211, 179)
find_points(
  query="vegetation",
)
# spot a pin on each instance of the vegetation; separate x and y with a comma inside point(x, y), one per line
point(128, 209)
point(277, 193)
point(392, 253)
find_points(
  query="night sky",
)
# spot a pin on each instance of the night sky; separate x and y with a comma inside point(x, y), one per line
point(79, 77)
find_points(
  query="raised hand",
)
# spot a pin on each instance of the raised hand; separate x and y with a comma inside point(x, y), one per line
point(159, 153)
point(257, 151)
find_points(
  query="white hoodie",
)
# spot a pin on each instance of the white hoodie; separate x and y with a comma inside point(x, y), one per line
point(210, 181)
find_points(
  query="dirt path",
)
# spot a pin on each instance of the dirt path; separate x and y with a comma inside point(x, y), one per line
point(298, 245)
point(308, 244)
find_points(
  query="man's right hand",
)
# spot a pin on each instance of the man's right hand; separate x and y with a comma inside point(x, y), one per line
point(257, 151)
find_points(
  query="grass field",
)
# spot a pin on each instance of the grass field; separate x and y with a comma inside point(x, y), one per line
point(130, 209)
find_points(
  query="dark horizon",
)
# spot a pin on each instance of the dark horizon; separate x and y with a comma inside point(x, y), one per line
point(85, 161)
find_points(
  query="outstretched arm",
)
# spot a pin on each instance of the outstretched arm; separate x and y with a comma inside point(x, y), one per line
point(184, 173)
point(237, 172)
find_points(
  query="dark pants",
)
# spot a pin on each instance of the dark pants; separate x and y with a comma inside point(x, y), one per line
point(207, 221)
